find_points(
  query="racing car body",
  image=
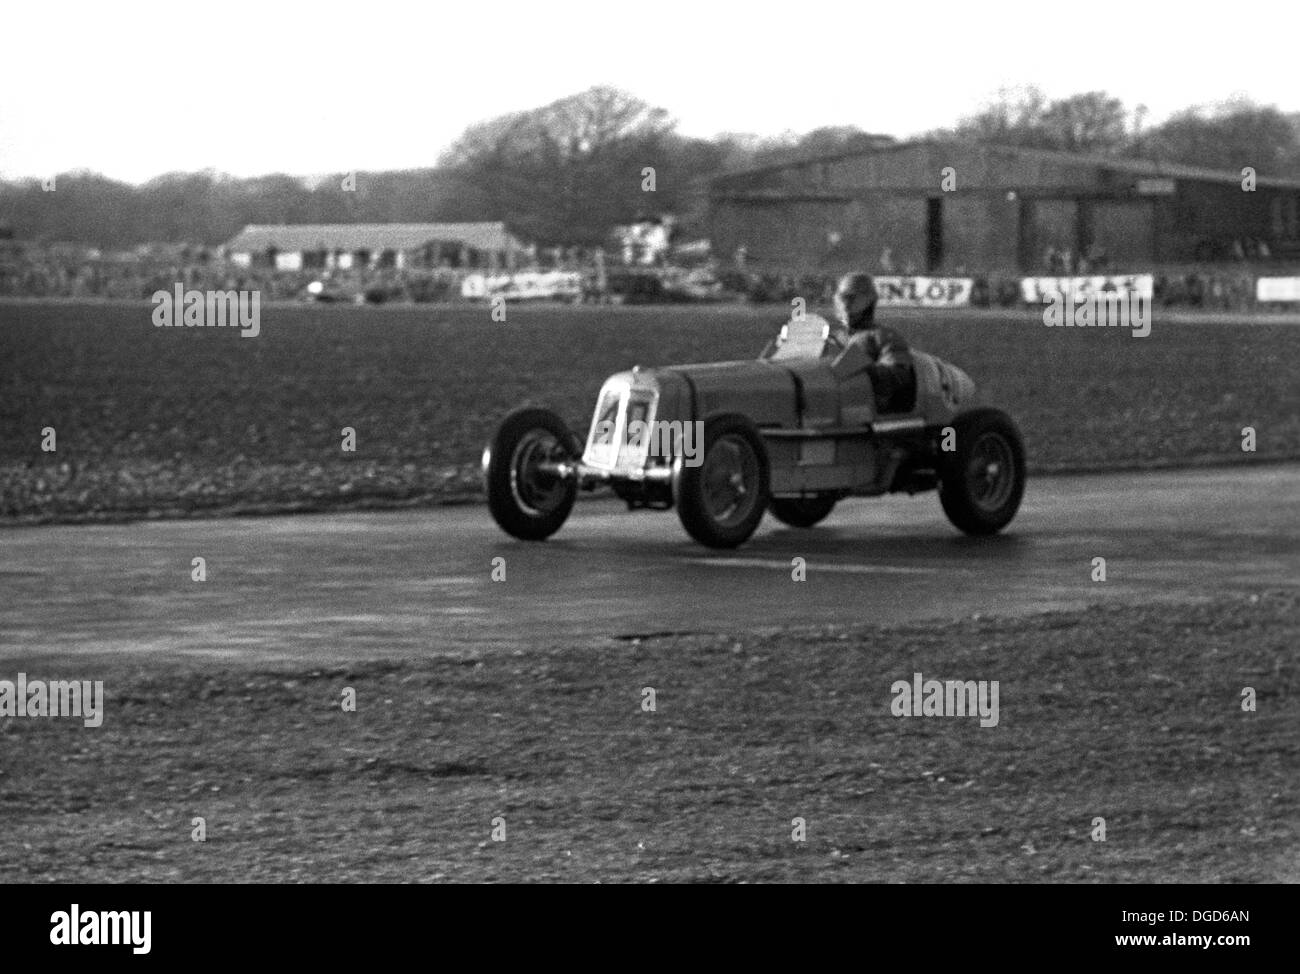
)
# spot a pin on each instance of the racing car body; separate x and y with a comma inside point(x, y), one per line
point(793, 432)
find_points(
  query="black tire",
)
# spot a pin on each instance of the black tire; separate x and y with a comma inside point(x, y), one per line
point(803, 512)
point(525, 502)
point(721, 501)
point(982, 481)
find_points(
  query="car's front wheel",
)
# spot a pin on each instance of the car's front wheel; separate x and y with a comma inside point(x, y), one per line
point(983, 479)
point(526, 496)
point(721, 500)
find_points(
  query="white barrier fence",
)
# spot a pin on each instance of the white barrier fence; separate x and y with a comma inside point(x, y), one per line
point(924, 292)
point(1036, 290)
point(526, 285)
point(1277, 289)
point(893, 290)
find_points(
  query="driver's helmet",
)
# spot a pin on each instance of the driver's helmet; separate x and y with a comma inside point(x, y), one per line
point(858, 283)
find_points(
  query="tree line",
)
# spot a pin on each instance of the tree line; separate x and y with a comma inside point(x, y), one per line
point(566, 172)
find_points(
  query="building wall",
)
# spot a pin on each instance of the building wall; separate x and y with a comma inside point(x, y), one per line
point(1045, 224)
point(974, 168)
point(821, 236)
point(1006, 210)
point(779, 234)
point(1207, 217)
point(979, 232)
point(869, 226)
point(1124, 230)
point(878, 201)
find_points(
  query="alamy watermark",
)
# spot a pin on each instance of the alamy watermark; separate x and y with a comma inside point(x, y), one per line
point(211, 309)
point(1099, 309)
point(55, 698)
point(664, 438)
point(75, 927)
point(946, 698)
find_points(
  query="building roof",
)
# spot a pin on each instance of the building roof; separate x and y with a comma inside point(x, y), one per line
point(1151, 167)
point(258, 237)
point(1141, 167)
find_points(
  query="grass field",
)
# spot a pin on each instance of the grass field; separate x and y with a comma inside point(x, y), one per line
point(174, 421)
point(1131, 714)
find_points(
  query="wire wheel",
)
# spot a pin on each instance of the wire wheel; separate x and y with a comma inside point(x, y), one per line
point(526, 499)
point(731, 480)
point(982, 482)
point(990, 471)
point(722, 501)
point(535, 490)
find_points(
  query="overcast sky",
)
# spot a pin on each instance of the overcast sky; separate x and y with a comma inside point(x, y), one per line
point(134, 89)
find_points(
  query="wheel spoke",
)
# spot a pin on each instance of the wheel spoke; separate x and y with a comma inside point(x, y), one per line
point(990, 471)
point(534, 489)
point(730, 480)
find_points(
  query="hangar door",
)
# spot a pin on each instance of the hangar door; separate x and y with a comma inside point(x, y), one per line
point(1125, 230)
point(1044, 224)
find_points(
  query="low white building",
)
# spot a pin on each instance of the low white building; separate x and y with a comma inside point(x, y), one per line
point(343, 246)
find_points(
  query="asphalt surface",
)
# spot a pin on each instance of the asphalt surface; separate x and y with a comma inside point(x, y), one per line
point(342, 587)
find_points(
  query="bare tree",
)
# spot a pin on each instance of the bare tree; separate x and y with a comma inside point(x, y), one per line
point(1088, 122)
point(1229, 136)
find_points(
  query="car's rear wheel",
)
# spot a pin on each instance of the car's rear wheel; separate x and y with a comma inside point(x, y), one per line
point(721, 500)
point(982, 481)
point(803, 512)
point(525, 495)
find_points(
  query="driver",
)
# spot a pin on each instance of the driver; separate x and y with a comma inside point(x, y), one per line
point(893, 379)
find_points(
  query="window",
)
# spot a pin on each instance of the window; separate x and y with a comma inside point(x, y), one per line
point(607, 419)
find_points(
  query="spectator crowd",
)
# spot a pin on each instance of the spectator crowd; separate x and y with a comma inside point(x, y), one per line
point(31, 271)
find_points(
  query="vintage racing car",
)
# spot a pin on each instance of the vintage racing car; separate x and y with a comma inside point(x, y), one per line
point(793, 432)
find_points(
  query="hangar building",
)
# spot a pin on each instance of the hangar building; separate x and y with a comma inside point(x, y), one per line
point(1007, 207)
point(326, 246)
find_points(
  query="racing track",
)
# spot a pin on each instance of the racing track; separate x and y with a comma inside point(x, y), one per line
point(341, 587)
